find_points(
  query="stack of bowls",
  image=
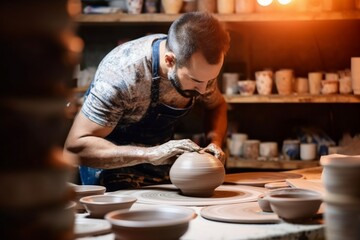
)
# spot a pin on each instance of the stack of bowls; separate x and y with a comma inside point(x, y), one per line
point(342, 196)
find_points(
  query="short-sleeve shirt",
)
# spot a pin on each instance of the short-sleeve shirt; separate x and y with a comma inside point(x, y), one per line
point(121, 90)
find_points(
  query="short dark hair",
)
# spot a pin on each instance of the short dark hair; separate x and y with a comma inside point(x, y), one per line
point(197, 31)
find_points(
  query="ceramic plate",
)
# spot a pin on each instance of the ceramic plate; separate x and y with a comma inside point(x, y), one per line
point(90, 227)
point(259, 178)
point(170, 195)
point(239, 213)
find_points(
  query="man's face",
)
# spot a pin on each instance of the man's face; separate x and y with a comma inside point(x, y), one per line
point(173, 77)
point(192, 80)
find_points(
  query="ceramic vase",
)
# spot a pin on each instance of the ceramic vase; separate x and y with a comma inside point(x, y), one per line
point(197, 174)
point(264, 82)
point(172, 6)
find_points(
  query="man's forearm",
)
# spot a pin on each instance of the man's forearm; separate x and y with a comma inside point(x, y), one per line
point(97, 152)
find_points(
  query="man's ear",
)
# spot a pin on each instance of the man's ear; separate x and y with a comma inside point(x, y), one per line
point(170, 59)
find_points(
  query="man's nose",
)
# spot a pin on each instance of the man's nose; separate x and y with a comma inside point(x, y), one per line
point(201, 88)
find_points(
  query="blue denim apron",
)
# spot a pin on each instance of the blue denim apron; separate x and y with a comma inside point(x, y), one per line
point(156, 127)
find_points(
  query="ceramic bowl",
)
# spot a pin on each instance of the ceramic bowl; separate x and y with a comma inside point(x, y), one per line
point(156, 223)
point(86, 190)
point(264, 203)
point(294, 204)
point(197, 174)
point(247, 87)
point(98, 205)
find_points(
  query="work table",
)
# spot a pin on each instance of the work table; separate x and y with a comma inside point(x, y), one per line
point(201, 228)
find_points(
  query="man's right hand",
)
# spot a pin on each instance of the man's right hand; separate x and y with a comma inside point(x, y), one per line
point(162, 154)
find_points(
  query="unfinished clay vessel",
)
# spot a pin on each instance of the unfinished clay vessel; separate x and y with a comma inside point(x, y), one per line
point(197, 174)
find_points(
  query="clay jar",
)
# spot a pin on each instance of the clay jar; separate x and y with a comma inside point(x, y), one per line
point(172, 6)
point(197, 174)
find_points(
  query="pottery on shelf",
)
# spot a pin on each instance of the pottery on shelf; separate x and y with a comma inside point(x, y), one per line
point(197, 174)
point(172, 6)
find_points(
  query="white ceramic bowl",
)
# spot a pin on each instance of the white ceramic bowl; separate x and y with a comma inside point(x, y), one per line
point(99, 205)
point(157, 223)
point(246, 87)
point(294, 204)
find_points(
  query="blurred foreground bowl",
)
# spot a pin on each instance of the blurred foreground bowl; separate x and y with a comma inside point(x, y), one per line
point(158, 223)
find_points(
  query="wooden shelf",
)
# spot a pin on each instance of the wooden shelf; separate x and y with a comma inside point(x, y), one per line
point(304, 98)
point(281, 164)
point(124, 18)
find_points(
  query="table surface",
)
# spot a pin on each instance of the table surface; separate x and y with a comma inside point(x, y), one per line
point(201, 228)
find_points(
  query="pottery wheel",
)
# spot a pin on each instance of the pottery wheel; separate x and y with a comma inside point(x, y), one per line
point(170, 195)
point(239, 213)
point(259, 178)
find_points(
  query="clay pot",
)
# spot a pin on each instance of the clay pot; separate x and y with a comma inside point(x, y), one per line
point(172, 6)
point(197, 174)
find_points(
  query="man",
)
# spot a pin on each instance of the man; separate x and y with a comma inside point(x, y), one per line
point(122, 136)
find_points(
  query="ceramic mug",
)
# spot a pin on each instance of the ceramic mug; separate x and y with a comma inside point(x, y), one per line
point(345, 85)
point(315, 79)
point(236, 144)
point(268, 149)
point(264, 82)
point(301, 85)
point(284, 79)
point(134, 6)
point(230, 83)
point(251, 149)
point(308, 151)
point(291, 149)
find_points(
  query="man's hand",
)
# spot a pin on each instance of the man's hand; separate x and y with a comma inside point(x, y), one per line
point(162, 154)
point(216, 151)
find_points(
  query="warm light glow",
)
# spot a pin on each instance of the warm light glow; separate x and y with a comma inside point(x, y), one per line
point(284, 2)
point(264, 2)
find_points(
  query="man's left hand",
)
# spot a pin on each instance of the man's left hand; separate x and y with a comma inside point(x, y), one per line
point(216, 151)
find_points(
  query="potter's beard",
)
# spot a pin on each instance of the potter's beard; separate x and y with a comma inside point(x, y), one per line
point(177, 85)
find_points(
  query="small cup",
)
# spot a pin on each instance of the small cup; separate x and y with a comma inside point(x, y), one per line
point(230, 83)
point(237, 142)
point(284, 79)
point(268, 149)
point(329, 86)
point(251, 149)
point(246, 87)
point(308, 151)
point(291, 149)
point(151, 6)
point(264, 82)
point(226, 6)
point(315, 79)
point(134, 6)
point(345, 85)
point(301, 85)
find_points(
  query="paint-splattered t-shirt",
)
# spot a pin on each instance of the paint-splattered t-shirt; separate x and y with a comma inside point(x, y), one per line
point(122, 85)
